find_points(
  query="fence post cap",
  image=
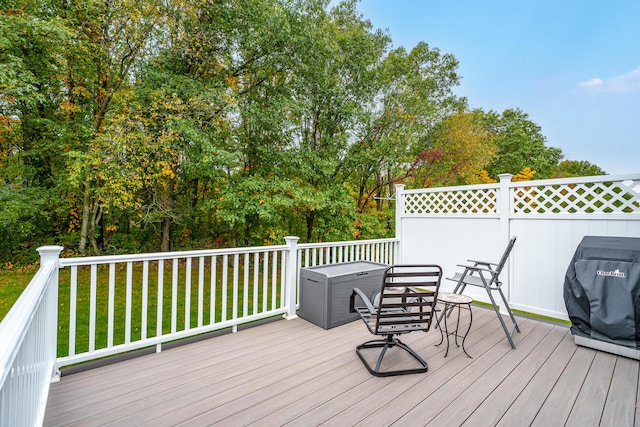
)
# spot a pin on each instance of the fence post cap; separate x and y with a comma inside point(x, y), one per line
point(49, 252)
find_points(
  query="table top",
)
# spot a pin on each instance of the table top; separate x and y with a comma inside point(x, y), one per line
point(455, 298)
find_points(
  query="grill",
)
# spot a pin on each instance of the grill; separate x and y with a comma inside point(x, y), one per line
point(602, 294)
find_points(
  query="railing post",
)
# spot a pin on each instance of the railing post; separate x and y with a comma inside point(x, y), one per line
point(290, 284)
point(504, 210)
point(399, 214)
point(51, 254)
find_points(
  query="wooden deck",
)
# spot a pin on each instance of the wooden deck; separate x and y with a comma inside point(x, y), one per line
point(295, 373)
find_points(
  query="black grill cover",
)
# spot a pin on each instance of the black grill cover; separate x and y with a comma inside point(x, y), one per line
point(602, 290)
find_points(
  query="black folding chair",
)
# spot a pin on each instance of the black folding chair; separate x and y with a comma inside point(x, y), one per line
point(487, 275)
point(406, 303)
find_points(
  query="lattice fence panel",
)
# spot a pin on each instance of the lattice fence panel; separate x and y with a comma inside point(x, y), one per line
point(584, 198)
point(482, 201)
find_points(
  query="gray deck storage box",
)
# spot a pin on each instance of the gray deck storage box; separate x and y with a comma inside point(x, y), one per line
point(325, 290)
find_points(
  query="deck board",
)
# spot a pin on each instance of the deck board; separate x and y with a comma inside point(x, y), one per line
point(384, 399)
point(295, 373)
point(557, 406)
point(527, 404)
point(621, 399)
point(499, 399)
point(589, 405)
point(466, 390)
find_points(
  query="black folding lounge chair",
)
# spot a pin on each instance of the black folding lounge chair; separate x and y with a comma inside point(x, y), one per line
point(487, 275)
point(406, 303)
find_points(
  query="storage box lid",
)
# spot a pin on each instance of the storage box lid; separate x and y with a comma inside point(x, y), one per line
point(333, 270)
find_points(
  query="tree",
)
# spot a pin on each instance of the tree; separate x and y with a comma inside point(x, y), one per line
point(161, 124)
point(520, 144)
point(34, 118)
point(330, 86)
point(570, 168)
point(460, 148)
point(415, 92)
point(116, 38)
point(67, 61)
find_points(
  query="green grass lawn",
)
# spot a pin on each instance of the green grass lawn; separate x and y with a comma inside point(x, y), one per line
point(12, 284)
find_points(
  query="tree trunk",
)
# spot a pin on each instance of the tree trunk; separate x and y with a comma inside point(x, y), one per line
point(310, 220)
point(379, 195)
point(167, 221)
point(86, 216)
point(95, 220)
point(165, 245)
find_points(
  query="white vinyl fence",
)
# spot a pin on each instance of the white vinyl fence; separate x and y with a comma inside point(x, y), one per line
point(449, 225)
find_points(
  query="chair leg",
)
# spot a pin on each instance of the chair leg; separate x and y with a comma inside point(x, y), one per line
point(460, 287)
point(504, 326)
point(385, 344)
point(506, 304)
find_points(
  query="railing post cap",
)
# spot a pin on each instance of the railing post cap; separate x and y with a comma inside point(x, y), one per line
point(50, 250)
point(505, 176)
point(291, 238)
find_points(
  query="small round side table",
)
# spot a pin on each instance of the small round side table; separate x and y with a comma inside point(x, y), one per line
point(451, 301)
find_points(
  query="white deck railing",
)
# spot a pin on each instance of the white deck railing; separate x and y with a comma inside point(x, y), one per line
point(170, 296)
point(166, 297)
point(28, 347)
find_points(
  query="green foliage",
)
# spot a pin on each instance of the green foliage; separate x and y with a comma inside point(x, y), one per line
point(571, 168)
point(154, 125)
point(520, 144)
point(460, 147)
point(23, 222)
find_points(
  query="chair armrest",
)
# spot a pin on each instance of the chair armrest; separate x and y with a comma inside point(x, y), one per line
point(476, 262)
point(363, 297)
point(476, 268)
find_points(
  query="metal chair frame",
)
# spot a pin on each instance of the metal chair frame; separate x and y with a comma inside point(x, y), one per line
point(487, 275)
point(407, 303)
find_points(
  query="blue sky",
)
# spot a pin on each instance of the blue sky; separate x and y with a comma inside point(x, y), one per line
point(572, 66)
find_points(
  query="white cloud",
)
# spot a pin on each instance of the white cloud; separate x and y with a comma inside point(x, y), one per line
point(624, 83)
point(595, 82)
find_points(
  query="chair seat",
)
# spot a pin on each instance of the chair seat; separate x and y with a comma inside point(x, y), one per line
point(472, 280)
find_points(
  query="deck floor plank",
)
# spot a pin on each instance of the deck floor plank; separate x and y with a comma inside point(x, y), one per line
point(402, 392)
point(526, 406)
point(557, 406)
point(296, 373)
point(589, 404)
point(621, 403)
point(500, 398)
point(272, 382)
point(457, 399)
point(219, 386)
